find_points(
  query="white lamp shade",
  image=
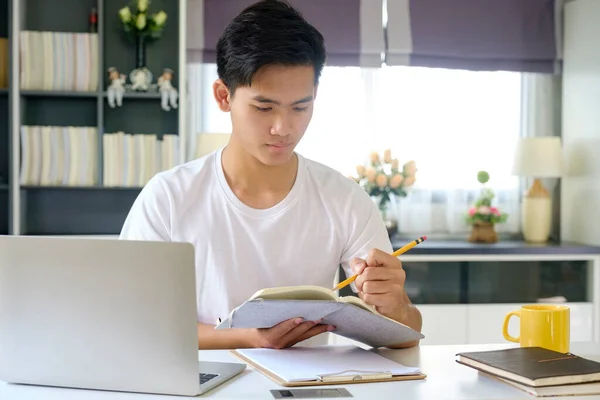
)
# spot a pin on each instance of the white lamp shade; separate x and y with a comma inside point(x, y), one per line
point(539, 157)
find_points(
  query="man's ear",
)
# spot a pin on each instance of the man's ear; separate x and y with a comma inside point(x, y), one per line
point(221, 94)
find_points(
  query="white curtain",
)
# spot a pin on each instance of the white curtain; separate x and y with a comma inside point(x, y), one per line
point(453, 123)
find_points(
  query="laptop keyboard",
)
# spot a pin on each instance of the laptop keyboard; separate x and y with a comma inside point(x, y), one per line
point(206, 377)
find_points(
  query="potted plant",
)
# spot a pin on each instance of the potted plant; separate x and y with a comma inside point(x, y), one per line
point(483, 216)
point(383, 179)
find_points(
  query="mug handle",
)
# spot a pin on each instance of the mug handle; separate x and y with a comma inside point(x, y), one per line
point(505, 333)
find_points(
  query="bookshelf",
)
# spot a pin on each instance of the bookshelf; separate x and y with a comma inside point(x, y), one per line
point(70, 164)
point(4, 120)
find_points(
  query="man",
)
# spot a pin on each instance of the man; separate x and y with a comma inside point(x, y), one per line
point(259, 214)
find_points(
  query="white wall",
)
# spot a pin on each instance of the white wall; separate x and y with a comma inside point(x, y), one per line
point(580, 188)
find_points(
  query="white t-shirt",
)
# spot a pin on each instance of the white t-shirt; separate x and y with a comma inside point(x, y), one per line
point(324, 221)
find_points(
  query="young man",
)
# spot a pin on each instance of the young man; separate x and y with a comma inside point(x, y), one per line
point(259, 214)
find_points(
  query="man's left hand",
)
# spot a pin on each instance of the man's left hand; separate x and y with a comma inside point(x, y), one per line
point(380, 283)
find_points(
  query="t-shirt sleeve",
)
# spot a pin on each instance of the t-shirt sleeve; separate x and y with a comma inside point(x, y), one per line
point(366, 231)
point(149, 217)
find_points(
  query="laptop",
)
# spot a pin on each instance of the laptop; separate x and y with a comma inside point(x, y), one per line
point(103, 314)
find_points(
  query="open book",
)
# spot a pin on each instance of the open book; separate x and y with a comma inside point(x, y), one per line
point(352, 317)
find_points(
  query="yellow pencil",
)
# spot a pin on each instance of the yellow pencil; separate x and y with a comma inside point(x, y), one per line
point(401, 250)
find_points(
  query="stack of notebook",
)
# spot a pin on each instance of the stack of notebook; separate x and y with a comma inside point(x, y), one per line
point(538, 371)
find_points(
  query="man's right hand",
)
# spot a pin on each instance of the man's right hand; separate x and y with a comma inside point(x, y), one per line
point(288, 333)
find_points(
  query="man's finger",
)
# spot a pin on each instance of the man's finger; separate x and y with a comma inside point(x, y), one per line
point(358, 265)
point(379, 274)
point(297, 331)
point(376, 287)
point(378, 258)
point(378, 299)
point(285, 327)
point(314, 331)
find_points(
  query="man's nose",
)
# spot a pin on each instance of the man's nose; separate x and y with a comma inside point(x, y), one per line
point(282, 126)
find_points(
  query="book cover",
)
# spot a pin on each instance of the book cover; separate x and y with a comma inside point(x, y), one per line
point(352, 317)
point(533, 366)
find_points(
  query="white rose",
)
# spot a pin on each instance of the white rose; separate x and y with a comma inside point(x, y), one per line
point(125, 14)
point(160, 18)
point(142, 5)
point(140, 23)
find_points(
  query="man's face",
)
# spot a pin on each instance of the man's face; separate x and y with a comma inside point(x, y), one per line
point(270, 117)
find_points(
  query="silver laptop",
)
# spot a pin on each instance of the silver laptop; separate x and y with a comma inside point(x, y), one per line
point(102, 314)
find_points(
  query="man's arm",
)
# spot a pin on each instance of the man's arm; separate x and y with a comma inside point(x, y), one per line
point(381, 277)
point(380, 283)
point(211, 338)
point(411, 317)
point(149, 217)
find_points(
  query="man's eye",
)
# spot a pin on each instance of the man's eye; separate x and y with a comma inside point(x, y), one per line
point(300, 108)
point(262, 109)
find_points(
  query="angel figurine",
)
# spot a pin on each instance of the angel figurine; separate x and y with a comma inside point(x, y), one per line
point(116, 88)
point(168, 94)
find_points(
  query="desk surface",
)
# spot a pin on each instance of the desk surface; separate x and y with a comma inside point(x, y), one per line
point(502, 247)
point(446, 380)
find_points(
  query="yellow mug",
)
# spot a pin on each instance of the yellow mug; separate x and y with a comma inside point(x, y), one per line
point(546, 326)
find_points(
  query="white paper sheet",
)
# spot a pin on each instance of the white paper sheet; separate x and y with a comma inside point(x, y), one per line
point(307, 363)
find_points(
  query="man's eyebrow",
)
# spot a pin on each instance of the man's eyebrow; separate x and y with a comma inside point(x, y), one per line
point(304, 100)
point(262, 99)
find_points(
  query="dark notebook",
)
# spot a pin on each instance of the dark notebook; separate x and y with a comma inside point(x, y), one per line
point(533, 366)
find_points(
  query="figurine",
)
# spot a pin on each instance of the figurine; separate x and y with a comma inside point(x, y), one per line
point(168, 94)
point(141, 78)
point(116, 88)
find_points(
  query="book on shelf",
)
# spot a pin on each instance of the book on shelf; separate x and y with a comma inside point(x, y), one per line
point(352, 317)
point(130, 160)
point(59, 155)
point(3, 63)
point(59, 61)
point(537, 371)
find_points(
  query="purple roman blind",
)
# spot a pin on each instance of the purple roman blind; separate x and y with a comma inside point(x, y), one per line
point(511, 35)
point(352, 29)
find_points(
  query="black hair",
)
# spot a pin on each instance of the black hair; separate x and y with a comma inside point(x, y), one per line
point(266, 33)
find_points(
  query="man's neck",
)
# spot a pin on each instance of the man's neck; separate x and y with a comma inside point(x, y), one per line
point(254, 183)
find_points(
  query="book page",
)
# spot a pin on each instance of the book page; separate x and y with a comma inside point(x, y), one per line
point(298, 364)
point(357, 301)
point(302, 292)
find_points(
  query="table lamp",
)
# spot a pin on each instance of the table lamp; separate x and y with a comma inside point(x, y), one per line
point(208, 142)
point(538, 157)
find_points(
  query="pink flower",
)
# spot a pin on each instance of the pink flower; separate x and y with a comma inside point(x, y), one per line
point(409, 181)
point(410, 168)
point(484, 210)
point(494, 210)
point(472, 211)
point(396, 181)
point(381, 180)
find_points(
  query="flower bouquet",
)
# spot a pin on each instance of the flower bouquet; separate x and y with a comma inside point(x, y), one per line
point(383, 179)
point(140, 23)
point(143, 27)
point(482, 216)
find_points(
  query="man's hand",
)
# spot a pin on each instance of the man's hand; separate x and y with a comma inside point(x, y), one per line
point(285, 334)
point(380, 283)
point(288, 333)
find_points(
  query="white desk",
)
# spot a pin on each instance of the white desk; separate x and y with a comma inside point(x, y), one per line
point(446, 380)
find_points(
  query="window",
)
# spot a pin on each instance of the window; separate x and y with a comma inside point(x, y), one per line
point(451, 122)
